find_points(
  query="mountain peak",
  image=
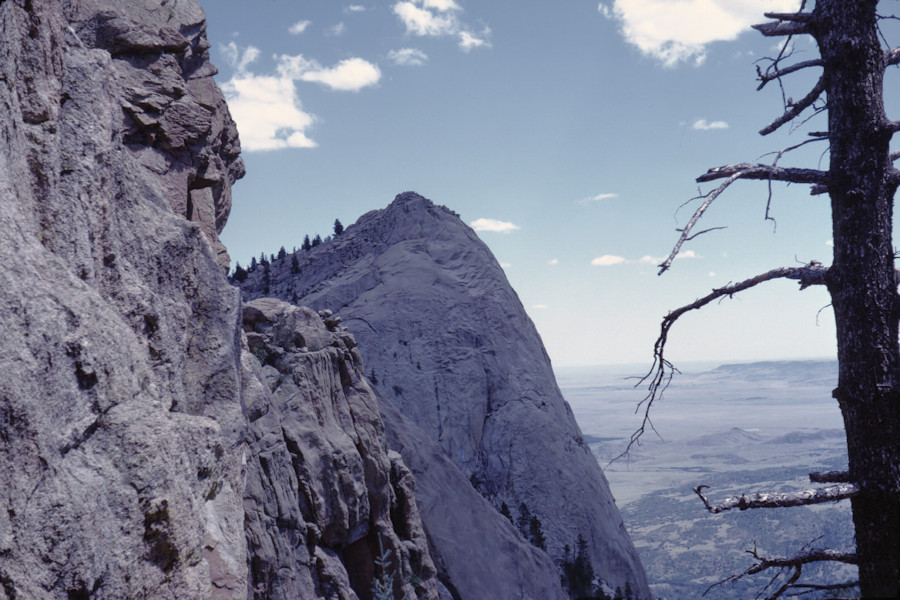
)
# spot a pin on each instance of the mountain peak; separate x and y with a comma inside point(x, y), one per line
point(450, 348)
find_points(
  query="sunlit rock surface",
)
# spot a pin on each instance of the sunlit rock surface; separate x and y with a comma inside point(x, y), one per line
point(454, 355)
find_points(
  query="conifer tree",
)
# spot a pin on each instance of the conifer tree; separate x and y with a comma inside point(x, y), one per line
point(536, 533)
point(338, 227)
point(240, 274)
point(306, 243)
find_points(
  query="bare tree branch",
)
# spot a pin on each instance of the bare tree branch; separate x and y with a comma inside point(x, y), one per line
point(803, 558)
point(773, 74)
point(795, 17)
point(766, 172)
point(795, 563)
point(892, 57)
point(787, 584)
point(826, 587)
point(796, 108)
point(780, 500)
point(830, 477)
point(709, 198)
point(662, 371)
point(781, 28)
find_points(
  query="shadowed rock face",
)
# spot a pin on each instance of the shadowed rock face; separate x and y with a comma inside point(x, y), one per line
point(456, 358)
point(130, 461)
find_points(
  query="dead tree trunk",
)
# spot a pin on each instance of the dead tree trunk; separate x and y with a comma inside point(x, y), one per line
point(861, 280)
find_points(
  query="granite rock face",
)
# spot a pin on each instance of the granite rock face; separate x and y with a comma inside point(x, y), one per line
point(120, 397)
point(324, 498)
point(136, 426)
point(453, 351)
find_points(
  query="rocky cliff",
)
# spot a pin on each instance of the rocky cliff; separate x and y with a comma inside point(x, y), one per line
point(146, 451)
point(456, 359)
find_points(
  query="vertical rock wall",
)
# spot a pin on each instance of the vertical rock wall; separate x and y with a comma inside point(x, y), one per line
point(120, 397)
point(325, 499)
point(131, 465)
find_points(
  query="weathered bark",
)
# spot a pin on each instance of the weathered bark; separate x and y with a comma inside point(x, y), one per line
point(861, 280)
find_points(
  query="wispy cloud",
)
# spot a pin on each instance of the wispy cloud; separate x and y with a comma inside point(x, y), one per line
point(349, 75)
point(298, 27)
point(440, 18)
point(677, 32)
point(408, 57)
point(553, 261)
point(540, 306)
point(355, 8)
point(598, 198)
point(493, 225)
point(608, 260)
point(267, 108)
point(424, 22)
point(336, 30)
point(469, 40)
point(704, 125)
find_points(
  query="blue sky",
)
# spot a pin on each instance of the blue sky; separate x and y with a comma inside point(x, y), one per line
point(568, 133)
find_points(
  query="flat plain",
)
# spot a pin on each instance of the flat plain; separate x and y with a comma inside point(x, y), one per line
point(738, 428)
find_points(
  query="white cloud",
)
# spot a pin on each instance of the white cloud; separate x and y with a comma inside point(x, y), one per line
point(355, 8)
point(407, 57)
point(298, 27)
point(493, 225)
point(237, 59)
point(608, 260)
point(441, 5)
point(540, 306)
point(349, 75)
point(597, 198)
point(704, 125)
point(440, 18)
point(505, 265)
point(267, 109)
point(554, 261)
point(337, 30)
point(468, 40)
point(674, 31)
point(712, 273)
point(422, 22)
point(267, 112)
point(830, 243)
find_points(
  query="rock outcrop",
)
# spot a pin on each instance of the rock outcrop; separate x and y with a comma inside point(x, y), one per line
point(131, 410)
point(452, 350)
point(325, 499)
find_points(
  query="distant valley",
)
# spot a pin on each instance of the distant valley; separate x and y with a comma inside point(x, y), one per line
point(737, 428)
